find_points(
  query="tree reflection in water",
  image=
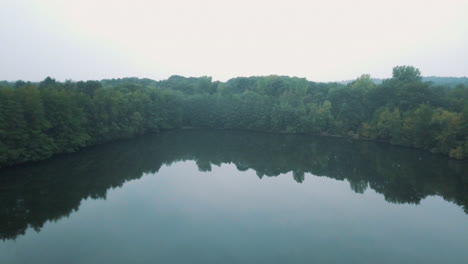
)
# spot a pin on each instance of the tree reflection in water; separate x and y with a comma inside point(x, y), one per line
point(47, 191)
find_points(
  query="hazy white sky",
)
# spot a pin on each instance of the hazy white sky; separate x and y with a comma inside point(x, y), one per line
point(322, 40)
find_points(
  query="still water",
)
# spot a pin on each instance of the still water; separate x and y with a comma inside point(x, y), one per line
point(236, 197)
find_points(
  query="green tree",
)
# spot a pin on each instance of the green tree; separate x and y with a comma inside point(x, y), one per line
point(406, 73)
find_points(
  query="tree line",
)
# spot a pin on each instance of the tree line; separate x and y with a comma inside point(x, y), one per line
point(38, 120)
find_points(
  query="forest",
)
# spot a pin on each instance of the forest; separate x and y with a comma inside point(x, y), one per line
point(38, 120)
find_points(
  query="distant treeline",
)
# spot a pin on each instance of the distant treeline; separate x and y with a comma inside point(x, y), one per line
point(432, 80)
point(38, 120)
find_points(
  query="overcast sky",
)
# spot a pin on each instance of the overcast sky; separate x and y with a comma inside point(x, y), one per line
point(326, 40)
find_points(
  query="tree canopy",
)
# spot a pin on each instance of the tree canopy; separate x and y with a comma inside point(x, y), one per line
point(38, 120)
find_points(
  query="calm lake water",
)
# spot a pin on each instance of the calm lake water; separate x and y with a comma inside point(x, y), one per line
point(236, 197)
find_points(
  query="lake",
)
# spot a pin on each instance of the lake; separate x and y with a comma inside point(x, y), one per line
point(198, 196)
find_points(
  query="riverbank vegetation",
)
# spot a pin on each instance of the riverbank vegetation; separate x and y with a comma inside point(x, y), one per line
point(38, 120)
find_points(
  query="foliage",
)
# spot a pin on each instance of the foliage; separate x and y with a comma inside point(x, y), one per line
point(38, 120)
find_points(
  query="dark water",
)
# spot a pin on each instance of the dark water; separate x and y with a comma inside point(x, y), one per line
point(236, 197)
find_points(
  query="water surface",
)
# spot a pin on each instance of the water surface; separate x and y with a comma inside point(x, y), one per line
point(236, 197)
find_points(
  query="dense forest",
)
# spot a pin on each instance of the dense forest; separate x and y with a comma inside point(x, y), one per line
point(38, 120)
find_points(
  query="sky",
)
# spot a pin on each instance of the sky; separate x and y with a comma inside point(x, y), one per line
point(328, 40)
